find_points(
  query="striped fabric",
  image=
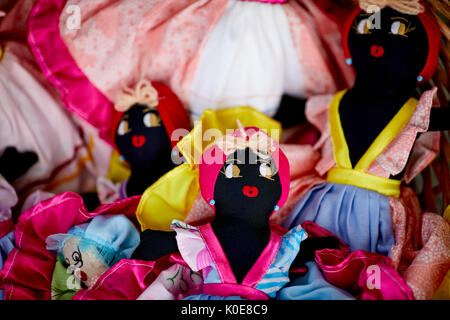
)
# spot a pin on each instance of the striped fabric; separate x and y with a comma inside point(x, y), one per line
point(278, 273)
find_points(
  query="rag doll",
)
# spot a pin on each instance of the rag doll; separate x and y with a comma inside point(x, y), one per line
point(90, 249)
point(149, 116)
point(244, 177)
point(376, 134)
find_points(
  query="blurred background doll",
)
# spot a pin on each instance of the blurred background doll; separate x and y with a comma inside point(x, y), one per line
point(376, 135)
point(148, 117)
point(212, 54)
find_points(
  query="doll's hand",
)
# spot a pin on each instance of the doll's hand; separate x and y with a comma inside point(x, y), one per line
point(309, 247)
point(155, 244)
point(14, 164)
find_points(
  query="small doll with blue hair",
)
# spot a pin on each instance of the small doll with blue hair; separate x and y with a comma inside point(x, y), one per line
point(88, 250)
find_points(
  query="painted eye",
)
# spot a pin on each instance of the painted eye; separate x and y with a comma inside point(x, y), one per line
point(364, 26)
point(265, 170)
point(398, 27)
point(152, 120)
point(78, 260)
point(123, 128)
point(232, 171)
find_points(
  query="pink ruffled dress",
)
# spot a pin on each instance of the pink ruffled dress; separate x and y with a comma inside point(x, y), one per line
point(27, 272)
point(33, 118)
point(201, 250)
point(213, 54)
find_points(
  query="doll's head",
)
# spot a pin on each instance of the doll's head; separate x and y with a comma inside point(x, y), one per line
point(244, 176)
point(88, 250)
point(141, 137)
point(150, 114)
point(395, 46)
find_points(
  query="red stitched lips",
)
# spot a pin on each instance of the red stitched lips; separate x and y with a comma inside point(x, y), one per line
point(376, 51)
point(138, 141)
point(250, 192)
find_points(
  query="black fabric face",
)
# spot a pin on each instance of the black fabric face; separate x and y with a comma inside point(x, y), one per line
point(387, 61)
point(390, 56)
point(14, 164)
point(142, 139)
point(247, 188)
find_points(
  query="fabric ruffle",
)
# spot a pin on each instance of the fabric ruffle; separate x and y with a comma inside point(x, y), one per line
point(394, 158)
point(27, 273)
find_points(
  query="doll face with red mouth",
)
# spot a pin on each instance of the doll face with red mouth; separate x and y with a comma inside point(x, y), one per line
point(141, 137)
point(85, 265)
point(396, 51)
point(246, 185)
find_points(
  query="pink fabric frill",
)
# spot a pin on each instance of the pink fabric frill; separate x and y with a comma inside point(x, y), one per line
point(366, 275)
point(28, 270)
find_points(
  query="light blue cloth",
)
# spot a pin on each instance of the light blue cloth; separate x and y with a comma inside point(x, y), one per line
point(312, 286)
point(359, 217)
point(114, 237)
point(276, 276)
point(278, 273)
point(6, 245)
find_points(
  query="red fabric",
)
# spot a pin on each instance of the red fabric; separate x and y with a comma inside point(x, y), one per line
point(126, 280)
point(352, 271)
point(6, 227)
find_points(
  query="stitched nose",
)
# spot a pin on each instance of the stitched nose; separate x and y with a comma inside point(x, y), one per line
point(250, 192)
point(376, 51)
point(138, 141)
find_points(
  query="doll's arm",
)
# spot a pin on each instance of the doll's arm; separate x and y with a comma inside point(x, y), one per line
point(309, 247)
point(14, 164)
point(439, 119)
point(291, 111)
point(155, 244)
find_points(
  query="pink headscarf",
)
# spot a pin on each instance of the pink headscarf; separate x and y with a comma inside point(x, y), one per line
point(255, 137)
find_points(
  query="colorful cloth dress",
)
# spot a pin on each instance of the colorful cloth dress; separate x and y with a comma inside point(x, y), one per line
point(265, 49)
point(33, 118)
point(201, 250)
point(125, 280)
point(367, 209)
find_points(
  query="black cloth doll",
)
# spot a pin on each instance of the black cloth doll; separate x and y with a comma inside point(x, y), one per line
point(151, 115)
point(369, 131)
point(245, 184)
point(150, 120)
